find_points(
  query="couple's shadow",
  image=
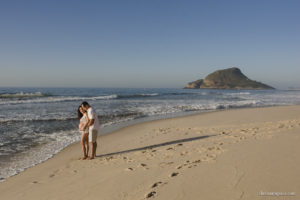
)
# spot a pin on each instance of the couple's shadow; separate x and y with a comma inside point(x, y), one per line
point(156, 145)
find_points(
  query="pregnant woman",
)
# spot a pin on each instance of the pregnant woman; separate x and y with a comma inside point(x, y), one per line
point(83, 120)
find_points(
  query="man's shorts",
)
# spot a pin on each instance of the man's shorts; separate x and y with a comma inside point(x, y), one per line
point(93, 135)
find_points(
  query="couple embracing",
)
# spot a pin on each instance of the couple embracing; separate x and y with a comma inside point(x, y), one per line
point(89, 127)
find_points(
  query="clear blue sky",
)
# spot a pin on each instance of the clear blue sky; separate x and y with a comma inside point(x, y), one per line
point(147, 43)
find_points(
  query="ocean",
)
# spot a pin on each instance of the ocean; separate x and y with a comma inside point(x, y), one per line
point(37, 123)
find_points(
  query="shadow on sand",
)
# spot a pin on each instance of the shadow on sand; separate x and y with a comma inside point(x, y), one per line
point(156, 145)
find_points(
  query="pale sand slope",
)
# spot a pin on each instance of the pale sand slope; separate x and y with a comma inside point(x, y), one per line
point(228, 155)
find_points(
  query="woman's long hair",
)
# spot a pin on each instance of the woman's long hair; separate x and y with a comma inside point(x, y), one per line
point(79, 114)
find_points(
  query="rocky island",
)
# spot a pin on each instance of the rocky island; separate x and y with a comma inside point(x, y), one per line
point(231, 78)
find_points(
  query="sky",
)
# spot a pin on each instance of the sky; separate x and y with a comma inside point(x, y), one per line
point(147, 43)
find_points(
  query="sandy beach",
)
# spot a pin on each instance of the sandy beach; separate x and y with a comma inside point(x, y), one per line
point(232, 154)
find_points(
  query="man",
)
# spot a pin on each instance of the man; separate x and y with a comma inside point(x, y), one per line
point(93, 125)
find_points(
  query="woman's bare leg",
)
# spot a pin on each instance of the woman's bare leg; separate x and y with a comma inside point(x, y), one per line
point(82, 142)
point(86, 143)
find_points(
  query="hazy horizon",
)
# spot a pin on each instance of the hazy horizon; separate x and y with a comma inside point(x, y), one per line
point(147, 44)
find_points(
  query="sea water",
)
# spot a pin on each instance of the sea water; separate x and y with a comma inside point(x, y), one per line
point(36, 123)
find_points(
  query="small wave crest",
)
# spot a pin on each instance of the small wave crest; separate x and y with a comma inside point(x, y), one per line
point(23, 95)
point(130, 96)
point(16, 98)
point(58, 119)
point(52, 99)
point(239, 93)
point(38, 97)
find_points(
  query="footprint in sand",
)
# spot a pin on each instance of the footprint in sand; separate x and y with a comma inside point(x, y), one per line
point(183, 165)
point(224, 133)
point(179, 167)
point(51, 175)
point(109, 158)
point(174, 174)
point(34, 182)
point(281, 126)
point(165, 164)
point(143, 165)
point(189, 164)
point(216, 148)
point(183, 153)
point(210, 155)
point(151, 194)
point(129, 169)
point(128, 160)
point(210, 148)
point(156, 184)
point(197, 161)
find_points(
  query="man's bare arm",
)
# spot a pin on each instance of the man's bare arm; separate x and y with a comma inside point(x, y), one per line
point(91, 122)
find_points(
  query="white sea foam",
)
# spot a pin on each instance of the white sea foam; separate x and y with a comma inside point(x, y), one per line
point(20, 162)
point(239, 93)
point(176, 107)
point(152, 94)
point(53, 99)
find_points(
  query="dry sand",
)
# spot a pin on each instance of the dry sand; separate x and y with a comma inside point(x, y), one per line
point(226, 155)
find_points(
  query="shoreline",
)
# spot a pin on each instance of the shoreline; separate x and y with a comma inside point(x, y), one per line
point(118, 126)
point(206, 128)
point(110, 129)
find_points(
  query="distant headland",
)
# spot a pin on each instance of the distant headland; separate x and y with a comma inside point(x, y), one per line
point(231, 78)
